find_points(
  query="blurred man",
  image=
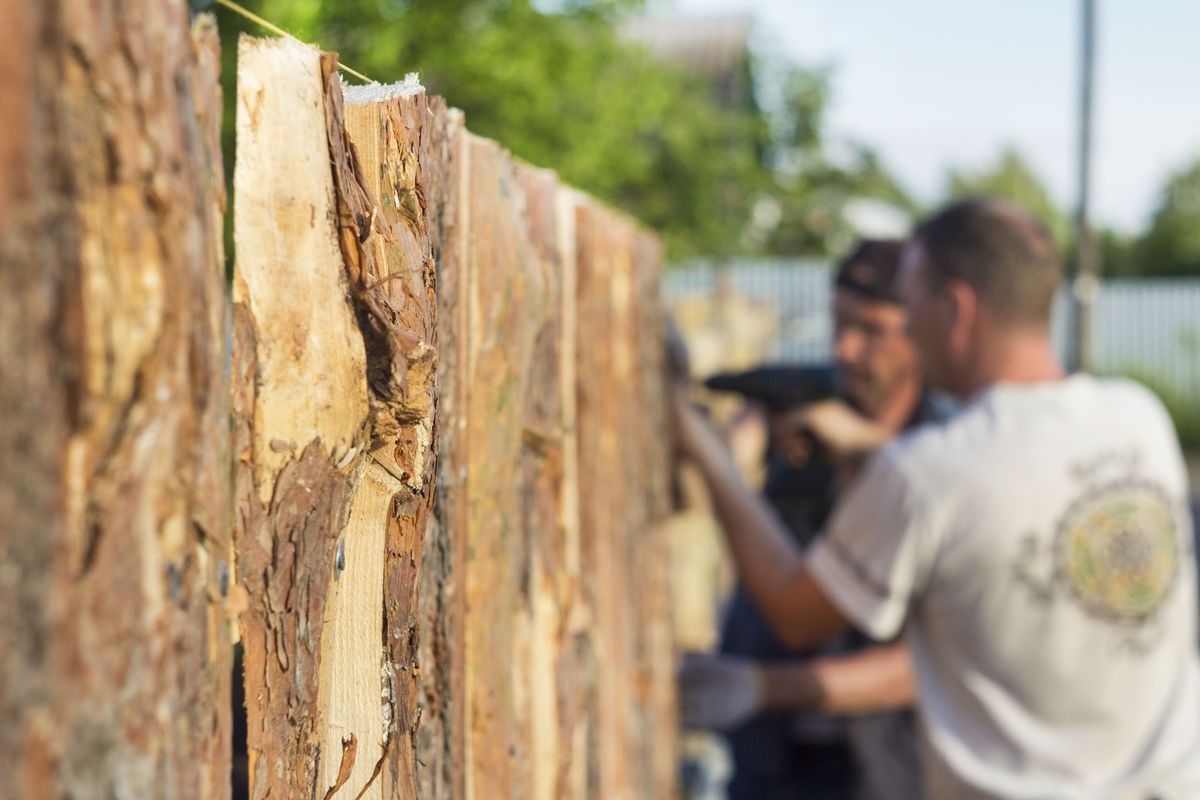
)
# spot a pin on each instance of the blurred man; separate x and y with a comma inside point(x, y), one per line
point(1034, 551)
point(755, 689)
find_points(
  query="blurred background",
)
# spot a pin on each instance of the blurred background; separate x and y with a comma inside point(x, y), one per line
point(762, 137)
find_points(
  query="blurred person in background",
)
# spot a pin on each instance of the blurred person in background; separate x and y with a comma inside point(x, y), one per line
point(1034, 551)
point(785, 712)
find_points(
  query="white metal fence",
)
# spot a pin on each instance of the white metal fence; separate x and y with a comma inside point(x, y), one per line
point(1149, 328)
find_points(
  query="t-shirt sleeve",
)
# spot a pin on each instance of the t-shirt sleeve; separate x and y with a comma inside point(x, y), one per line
point(869, 560)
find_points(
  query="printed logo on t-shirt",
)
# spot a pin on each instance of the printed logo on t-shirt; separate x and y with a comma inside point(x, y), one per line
point(1114, 554)
point(1117, 552)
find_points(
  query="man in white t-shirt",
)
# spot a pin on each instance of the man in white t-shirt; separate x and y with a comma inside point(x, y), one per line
point(1035, 551)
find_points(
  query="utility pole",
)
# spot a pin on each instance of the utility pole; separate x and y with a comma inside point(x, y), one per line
point(1085, 283)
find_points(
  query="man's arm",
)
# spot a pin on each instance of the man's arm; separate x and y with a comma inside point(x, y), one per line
point(872, 680)
point(769, 564)
point(721, 692)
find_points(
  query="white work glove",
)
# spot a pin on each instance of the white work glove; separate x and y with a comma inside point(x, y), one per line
point(718, 692)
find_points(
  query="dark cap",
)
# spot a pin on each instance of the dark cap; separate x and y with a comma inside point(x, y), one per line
point(870, 270)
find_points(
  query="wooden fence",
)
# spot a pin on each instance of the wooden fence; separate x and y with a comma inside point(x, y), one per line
point(418, 468)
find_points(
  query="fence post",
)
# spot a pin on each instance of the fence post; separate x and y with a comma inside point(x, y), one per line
point(114, 638)
point(622, 462)
point(442, 737)
point(301, 406)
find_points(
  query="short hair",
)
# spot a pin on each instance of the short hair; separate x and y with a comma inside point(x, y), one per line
point(1001, 251)
point(870, 270)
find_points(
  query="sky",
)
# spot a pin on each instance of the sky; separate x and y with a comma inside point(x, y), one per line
point(939, 84)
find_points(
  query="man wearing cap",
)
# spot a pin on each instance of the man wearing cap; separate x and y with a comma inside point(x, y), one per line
point(833, 721)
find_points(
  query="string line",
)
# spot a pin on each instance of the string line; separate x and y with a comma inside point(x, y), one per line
point(278, 31)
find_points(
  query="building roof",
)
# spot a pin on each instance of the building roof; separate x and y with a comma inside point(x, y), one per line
point(712, 46)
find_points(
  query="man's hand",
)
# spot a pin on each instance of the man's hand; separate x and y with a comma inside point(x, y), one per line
point(769, 562)
point(722, 692)
point(694, 436)
point(830, 426)
point(718, 692)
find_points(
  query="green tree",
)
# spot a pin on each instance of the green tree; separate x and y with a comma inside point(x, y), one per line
point(561, 90)
point(554, 82)
point(1116, 250)
point(1171, 244)
point(808, 185)
point(1014, 179)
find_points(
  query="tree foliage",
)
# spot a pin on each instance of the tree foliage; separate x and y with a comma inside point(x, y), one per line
point(554, 82)
point(1171, 244)
point(560, 90)
point(813, 177)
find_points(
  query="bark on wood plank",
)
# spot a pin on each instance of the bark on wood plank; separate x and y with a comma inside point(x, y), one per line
point(301, 402)
point(542, 592)
point(370, 652)
point(605, 369)
point(651, 550)
point(211, 487)
point(576, 671)
point(553, 671)
point(621, 424)
point(114, 649)
point(441, 743)
point(647, 508)
point(507, 300)
point(354, 665)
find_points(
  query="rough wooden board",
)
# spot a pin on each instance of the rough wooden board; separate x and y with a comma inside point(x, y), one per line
point(649, 549)
point(112, 655)
point(551, 504)
point(19, 109)
point(211, 456)
point(576, 671)
point(353, 660)
point(382, 226)
point(301, 404)
point(289, 273)
point(621, 422)
point(505, 300)
point(605, 365)
point(441, 742)
point(651, 545)
point(369, 681)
